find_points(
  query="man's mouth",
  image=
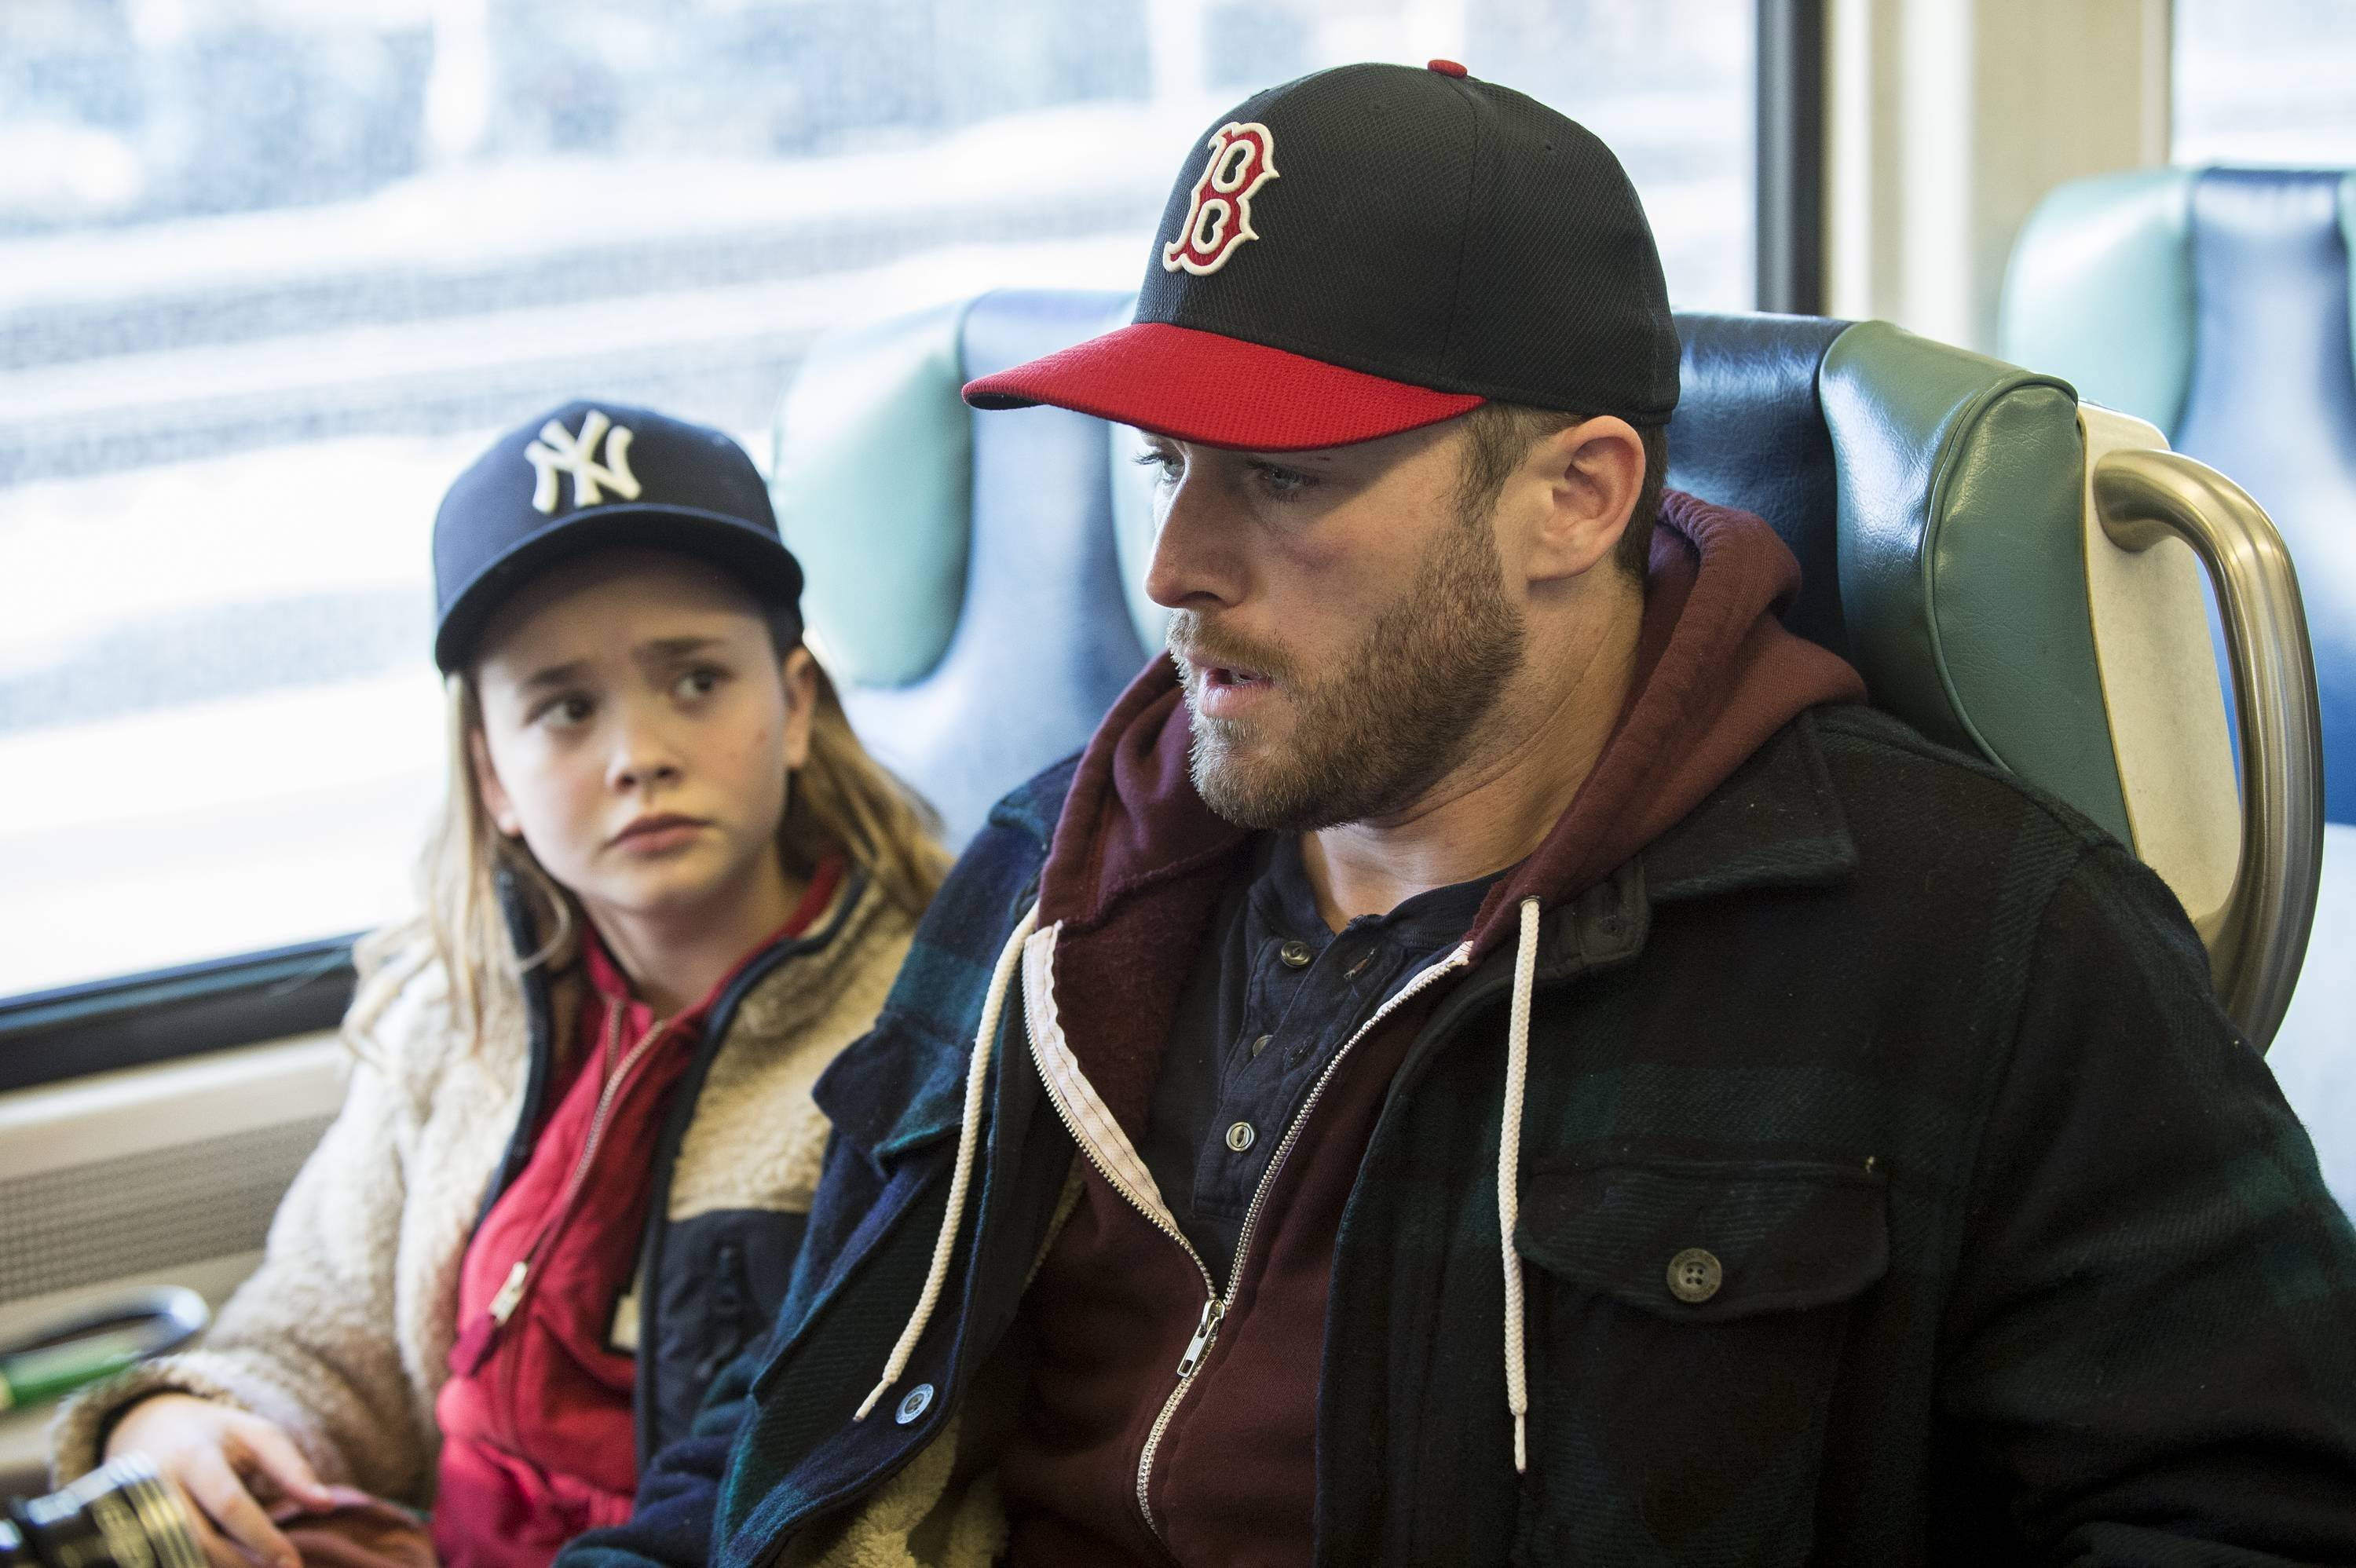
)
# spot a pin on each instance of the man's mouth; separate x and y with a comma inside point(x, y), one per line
point(1225, 690)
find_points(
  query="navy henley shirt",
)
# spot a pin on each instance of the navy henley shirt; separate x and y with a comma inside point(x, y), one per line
point(1274, 995)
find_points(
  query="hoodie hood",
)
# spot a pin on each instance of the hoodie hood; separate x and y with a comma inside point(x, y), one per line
point(1717, 675)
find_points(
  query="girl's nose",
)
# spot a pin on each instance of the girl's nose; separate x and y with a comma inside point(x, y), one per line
point(641, 758)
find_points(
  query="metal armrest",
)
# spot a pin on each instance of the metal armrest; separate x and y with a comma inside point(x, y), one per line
point(2257, 939)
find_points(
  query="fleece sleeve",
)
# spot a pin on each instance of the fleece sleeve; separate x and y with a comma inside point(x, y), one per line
point(308, 1341)
point(2152, 1350)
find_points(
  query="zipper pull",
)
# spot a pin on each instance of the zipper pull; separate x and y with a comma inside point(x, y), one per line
point(1205, 1332)
point(504, 1303)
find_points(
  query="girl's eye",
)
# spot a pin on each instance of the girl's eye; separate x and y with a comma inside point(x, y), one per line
point(565, 712)
point(1167, 462)
point(700, 681)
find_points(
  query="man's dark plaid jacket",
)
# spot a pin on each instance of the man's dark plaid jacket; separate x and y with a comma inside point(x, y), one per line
point(2025, 1260)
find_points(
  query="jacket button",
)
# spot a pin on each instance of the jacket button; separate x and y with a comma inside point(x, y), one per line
point(1695, 1275)
point(1295, 954)
point(919, 1399)
point(1241, 1136)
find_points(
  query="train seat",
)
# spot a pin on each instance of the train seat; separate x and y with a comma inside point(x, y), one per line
point(2215, 304)
point(974, 579)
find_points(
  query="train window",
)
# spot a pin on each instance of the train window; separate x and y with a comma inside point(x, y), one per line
point(2270, 94)
point(270, 271)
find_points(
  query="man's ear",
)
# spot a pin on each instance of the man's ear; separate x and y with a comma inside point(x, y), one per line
point(496, 800)
point(799, 673)
point(1581, 483)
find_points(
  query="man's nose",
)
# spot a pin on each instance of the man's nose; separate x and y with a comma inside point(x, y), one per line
point(1194, 565)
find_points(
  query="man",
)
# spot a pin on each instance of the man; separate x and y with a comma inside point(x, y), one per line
point(1552, 1077)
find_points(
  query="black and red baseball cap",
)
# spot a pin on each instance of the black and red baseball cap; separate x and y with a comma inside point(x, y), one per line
point(1372, 249)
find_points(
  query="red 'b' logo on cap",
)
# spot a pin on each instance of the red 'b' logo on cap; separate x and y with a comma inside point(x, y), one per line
point(1218, 218)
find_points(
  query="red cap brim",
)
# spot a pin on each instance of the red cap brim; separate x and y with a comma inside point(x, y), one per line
point(1221, 391)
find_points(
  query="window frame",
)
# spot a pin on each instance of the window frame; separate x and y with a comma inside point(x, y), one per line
point(1788, 152)
point(140, 1020)
point(163, 1015)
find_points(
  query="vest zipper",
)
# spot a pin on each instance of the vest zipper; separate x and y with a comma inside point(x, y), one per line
point(1215, 1306)
point(511, 1293)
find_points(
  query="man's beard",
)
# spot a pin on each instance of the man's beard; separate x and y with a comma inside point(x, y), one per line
point(1390, 722)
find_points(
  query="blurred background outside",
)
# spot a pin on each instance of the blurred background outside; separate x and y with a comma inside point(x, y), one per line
point(271, 272)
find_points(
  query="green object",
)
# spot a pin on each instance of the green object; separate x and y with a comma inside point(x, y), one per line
point(40, 1375)
point(1963, 557)
point(2100, 290)
point(873, 484)
point(96, 1345)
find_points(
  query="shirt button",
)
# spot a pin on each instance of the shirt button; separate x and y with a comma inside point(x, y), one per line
point(1295, 954)
point(1241, 1136)
point(1262, 1044)
point(919, 1399)
point(1695, 1275)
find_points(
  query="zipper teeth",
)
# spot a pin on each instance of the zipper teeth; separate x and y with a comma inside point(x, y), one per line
point(612, 1092)
point(1153, 1445)
point(1210, 1291)
point(1063, 1115)
point(1454, 961)
point(589, 1142)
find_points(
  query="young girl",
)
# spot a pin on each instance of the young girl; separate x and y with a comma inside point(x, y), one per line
point(572, 1171)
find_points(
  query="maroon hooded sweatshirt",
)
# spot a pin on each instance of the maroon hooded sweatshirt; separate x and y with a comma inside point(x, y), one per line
point(1121, 1458)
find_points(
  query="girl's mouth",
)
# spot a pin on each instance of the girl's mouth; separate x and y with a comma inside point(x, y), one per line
point(657, 832)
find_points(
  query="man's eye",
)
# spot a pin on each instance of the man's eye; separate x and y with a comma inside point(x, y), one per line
point(700, 681)
point(1167, 462)
point(1282, 482)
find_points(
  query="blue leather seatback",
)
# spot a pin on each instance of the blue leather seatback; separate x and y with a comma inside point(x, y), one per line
point(1750, 432)
point(2272, 402)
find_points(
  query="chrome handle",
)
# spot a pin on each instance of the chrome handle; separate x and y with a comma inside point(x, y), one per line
point(2257, 941)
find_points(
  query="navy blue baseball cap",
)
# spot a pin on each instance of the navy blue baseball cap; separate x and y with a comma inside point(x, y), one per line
point(592, 476)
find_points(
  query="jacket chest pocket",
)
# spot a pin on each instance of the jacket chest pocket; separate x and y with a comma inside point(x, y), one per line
point(1684, 1323)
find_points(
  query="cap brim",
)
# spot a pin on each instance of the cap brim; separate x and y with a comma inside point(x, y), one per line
point(1199, 386)
point(757, 558)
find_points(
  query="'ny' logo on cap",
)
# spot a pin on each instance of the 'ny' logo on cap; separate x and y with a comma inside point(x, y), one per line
point(566, 453)
point(1218, 218)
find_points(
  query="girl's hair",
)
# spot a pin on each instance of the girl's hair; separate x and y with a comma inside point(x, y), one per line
point(840, 797)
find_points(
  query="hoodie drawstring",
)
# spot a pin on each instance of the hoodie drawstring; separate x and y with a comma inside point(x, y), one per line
point(985, 1041)
point(1509, 1153)
point(1509, 1159)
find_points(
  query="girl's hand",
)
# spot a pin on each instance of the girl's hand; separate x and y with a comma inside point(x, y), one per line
point(220, 1458)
